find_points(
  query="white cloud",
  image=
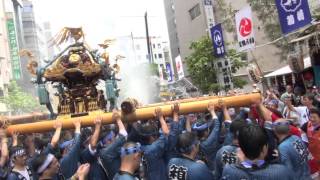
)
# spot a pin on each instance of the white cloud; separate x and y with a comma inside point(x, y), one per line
point(102, 19)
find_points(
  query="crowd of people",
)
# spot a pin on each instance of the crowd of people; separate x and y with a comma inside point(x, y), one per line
point(277, 137)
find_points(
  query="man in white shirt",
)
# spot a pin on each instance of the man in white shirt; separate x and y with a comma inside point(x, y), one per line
point(303, 111)
point(20, 170)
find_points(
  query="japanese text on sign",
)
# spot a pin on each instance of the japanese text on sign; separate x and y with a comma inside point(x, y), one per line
point(13, 45)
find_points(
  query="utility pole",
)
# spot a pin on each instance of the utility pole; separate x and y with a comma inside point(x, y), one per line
point(150, 54)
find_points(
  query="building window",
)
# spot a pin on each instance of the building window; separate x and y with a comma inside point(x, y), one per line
point(159, 46)
point(226, 63)
point(233, 69)
point(160, 56)
point(195, 11)
point(27, 8)
point(27, 24)
point(154, 46)
point(224, 71)
point(29, 40)
point(226, 80)
point(155, 56)
point(172, 7)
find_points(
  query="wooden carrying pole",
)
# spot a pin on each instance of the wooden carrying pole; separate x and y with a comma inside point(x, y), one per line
point(181, 101)
point(139, 114)
point(25, 118)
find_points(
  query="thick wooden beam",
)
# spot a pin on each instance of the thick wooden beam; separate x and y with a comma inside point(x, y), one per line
point(144, 113)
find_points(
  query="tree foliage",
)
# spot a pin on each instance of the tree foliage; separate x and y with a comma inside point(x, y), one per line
point(19, 101)
point(227, 12)
point(200, 64)
point(238, 82)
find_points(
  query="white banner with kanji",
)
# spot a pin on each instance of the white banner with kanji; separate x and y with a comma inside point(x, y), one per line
point(245, 29)
point(179, 67)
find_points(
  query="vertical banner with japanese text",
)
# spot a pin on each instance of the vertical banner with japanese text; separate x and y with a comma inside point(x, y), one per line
point(217, 40)
point(245, 29)
point(169, 72)
point(14, 50)
point(179, 67)
point(293, 14)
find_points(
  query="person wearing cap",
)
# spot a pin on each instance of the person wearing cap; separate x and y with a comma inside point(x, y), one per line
point(228, 153)
point(253, 142)
point(293, 152)
point(109, 157)
point(20, 169)
point(130, 161)
point(186, 166)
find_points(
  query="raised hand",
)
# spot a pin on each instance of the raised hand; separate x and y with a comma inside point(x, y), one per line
point(83, 171)
point(77, 125)
point(15, 139)
point(158, 112)
point(211, 106)
point(116, 115)
point(98, 121)
point(57, 124)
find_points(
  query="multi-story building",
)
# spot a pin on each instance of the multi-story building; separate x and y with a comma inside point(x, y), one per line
point(34, 41)
point(34, 34)
point(187, 25)
point(135, 49)
point(191, 23)
point(17, 6)
point(172, 31)
point(5, 56)
point(48, 38)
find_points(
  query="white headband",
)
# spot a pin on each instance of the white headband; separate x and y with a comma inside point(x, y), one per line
point(45, 164)
point(19, 153)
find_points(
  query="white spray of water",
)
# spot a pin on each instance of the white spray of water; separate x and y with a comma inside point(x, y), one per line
point(137, 82)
